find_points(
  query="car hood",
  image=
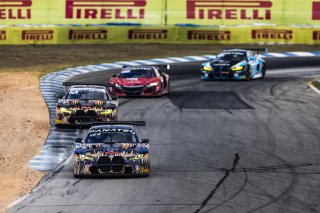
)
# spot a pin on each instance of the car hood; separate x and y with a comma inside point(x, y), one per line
point(118, 149)
point(81, 103)
point(225, 63)
point(133, 81)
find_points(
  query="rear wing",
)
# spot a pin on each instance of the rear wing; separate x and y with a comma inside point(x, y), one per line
point(265, 50)
point(257, 50)
point(161, 66)
point(132, 123)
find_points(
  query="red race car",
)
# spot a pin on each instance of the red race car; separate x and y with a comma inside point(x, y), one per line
point(140, 81)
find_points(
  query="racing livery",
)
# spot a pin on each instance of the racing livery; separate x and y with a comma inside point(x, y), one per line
point(140, 81)
point(112, 148)
point(239, 64)
point(85, 103)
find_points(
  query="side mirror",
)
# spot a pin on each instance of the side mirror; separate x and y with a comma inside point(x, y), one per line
point(112, 106)
point(78, 140)
point(114, 76)
point(145, 140)
point(60, 96)
point(251, 58)
point(114, 98)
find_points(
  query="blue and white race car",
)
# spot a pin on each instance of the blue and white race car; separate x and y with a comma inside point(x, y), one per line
point(239, 64)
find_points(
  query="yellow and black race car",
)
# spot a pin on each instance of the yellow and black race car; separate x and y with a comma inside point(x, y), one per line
point(84, 104)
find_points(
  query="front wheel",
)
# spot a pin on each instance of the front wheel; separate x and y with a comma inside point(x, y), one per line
point(248, 73)
point(263, 71)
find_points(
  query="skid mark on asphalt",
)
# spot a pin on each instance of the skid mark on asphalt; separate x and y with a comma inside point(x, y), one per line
point(226, 175)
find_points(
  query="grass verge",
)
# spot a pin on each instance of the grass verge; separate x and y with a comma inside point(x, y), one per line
point(316, 84)
point(48, 58)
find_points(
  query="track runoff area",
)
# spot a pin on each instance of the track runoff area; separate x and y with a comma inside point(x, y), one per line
point(216, 146)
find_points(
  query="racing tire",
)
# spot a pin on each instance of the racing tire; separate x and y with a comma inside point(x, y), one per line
point(248, 73)
point(263, 71)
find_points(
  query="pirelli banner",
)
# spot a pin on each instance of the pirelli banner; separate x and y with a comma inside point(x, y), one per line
point(239, 12)
point(87, 35)
point(160, 12)
point(184, 35)
point(247, 35)
point(81, 11)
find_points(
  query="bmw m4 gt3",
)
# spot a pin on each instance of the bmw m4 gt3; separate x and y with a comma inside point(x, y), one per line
point(140, 81)
point(85, 103)
point(239, 64)
point(112, 148)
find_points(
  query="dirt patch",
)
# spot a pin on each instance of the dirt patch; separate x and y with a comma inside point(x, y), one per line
point(24, 126)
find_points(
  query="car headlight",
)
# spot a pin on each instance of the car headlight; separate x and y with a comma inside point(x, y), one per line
point(117, 85)
point(207, 68)
point(154, 84)
point(237, 68)
point(105, 112)
point(64, 110)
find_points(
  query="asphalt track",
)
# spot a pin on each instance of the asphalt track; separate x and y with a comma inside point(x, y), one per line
point(227, 146)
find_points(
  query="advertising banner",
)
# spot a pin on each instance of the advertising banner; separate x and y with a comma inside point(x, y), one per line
point(81, 11)
point(87, 35)
point(240, 12)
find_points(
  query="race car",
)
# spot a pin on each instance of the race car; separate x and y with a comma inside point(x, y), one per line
point(140, 81)
point(112, 148)
point(85, 103)
point(239, 64)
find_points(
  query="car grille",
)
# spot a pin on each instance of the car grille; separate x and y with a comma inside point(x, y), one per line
point(117, 164)
point(133, 90)
point(105, 164)
point(223, 71)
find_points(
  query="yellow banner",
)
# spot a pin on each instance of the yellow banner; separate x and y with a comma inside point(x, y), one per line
point(247, 35)
point(240, 12)
point(81, 11)
point(87, 35)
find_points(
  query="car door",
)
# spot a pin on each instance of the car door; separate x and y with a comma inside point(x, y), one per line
point(253, 62)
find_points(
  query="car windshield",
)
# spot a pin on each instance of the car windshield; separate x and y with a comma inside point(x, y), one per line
point(232, 56)
point(137, 73)
point(111, 137)
point(86, 94)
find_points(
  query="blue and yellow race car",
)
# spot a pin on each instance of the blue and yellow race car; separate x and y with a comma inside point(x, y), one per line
point(238, 64)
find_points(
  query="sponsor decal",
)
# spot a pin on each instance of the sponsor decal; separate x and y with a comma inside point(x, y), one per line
point(147, 34)
point(213, 35)
point(3, 35)
point(272, 34)
point(229, 9)
point(105, 9)
point(37, 35)
point(15, 9)
point(88, 34)
point(316, 10)
point(316, 35)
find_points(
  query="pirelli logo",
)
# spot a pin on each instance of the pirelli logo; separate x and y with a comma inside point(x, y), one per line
point(88, 35)
point(3, 35)
point(229, 9)
point(316, 35)
point(147, 34)
point(316, 10)
point(209, 35)
point(105, 9)
point(272, 34)
point(15, 9)
point(37, 35)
